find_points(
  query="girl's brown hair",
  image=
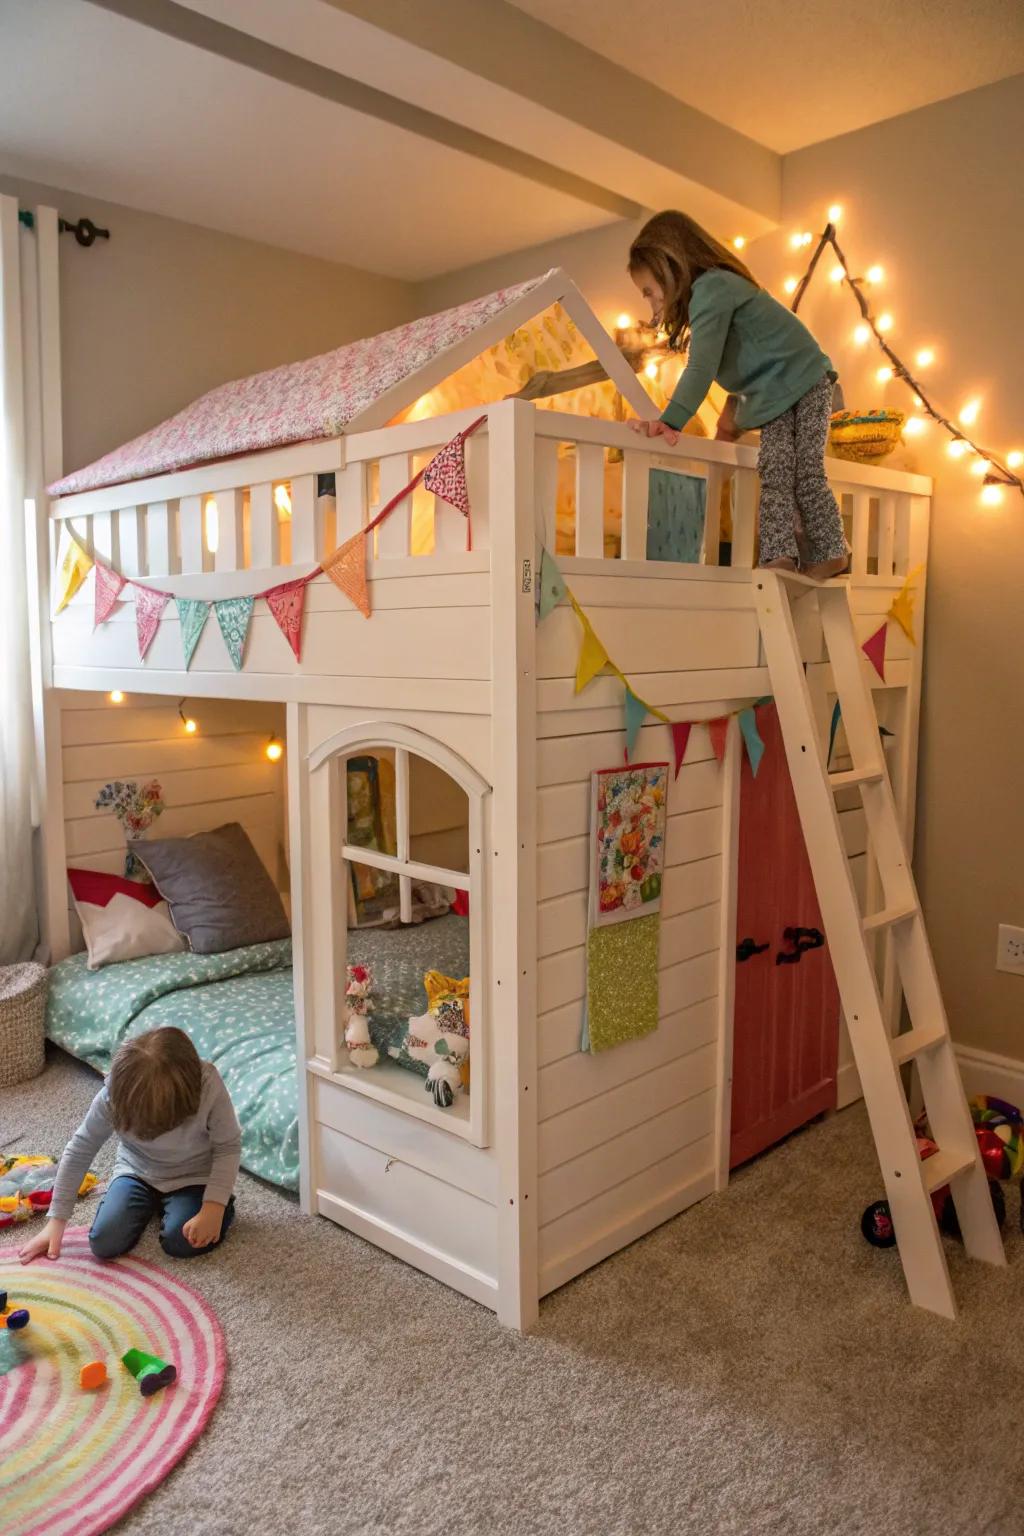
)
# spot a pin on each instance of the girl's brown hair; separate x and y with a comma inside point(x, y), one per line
point(154, 1083)
point(676, 251)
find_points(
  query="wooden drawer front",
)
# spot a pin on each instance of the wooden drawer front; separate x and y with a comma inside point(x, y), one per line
point(418, 1217)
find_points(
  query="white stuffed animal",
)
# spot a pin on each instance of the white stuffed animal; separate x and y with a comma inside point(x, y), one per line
point(361, 1050)
point(442, 1051)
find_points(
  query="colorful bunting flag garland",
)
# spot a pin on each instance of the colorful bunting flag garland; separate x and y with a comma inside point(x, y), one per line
point(444, 475)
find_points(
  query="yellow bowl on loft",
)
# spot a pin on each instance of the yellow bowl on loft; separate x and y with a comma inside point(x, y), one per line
point(864, 436)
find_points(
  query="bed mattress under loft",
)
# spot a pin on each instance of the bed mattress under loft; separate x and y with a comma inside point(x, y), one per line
point(296, 403)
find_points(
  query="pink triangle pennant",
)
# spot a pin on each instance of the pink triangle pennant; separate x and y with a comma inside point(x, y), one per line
point(445, 475)
point(874, 649)
point(680, 736)
point(149, 608)
point(287, 603)
point(718, 730)
point(108, 588)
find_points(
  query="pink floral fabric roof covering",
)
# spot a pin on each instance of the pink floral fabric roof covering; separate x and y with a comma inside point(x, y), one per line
point(295, 403)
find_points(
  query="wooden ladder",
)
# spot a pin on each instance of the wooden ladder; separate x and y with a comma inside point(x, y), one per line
point(909, 1181)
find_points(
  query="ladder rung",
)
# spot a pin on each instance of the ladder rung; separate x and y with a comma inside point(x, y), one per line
point(856, 776)
point(915, 1042)
point(943, 1166)
point(890, 915)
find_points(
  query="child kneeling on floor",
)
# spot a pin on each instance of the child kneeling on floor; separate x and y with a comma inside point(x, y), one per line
point(178, 1153)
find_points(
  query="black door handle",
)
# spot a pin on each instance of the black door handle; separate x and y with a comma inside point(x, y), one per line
point(748, 947)
point(801, 940)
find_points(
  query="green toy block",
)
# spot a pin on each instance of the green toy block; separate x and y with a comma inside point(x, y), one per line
point(149, 1371)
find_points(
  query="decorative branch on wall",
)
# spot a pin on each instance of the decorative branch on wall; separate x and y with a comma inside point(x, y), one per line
point(994, 471)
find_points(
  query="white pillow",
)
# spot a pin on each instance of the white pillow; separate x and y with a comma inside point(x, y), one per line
point(121, 919)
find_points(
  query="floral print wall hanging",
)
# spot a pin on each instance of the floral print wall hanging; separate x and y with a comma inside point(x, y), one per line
point(136, 807)
point(628, 853)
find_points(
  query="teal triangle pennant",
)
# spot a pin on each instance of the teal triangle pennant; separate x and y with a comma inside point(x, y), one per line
point(836, 716)
point(752, 739)
point(233, 615)
point(550, 586)
point(636, 713)
point(192, 615)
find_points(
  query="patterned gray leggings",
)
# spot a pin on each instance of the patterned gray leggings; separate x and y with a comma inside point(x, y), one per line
point(795, 495)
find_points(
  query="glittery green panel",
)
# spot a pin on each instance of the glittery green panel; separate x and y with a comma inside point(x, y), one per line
point(622, 981)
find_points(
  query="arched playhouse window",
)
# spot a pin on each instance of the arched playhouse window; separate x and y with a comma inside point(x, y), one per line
point(404, 840)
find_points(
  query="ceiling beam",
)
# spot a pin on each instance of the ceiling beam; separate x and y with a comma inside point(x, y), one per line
point(192, 27)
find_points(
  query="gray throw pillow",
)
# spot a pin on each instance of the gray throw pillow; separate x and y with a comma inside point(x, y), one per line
point(219, 892)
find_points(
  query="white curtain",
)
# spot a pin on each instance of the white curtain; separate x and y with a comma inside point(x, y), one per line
point(22, 471)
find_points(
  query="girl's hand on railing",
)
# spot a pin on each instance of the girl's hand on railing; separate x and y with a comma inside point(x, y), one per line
point(655, 429)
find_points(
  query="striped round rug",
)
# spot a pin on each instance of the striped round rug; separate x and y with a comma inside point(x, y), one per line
point(73, 1461)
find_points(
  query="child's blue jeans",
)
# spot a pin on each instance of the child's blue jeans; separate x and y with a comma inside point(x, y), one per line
point(127, 1207)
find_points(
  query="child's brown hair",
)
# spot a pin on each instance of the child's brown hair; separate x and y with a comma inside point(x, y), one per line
point(676, 251)
point(154, 1083)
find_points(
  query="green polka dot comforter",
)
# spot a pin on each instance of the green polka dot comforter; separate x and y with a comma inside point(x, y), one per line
point(236, 1008)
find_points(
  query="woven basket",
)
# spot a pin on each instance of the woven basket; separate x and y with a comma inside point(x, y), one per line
point(22, 1022)
point(864, 436)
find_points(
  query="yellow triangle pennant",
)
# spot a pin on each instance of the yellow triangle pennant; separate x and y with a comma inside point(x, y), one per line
point(902, 607)
point(592, 658)
point(73, 566)
point(347, 569)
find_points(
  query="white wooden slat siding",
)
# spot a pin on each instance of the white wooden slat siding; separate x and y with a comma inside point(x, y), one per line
point(103, 539)
point(478, 482)
point(648, 639)
point(190, 524)
point(264, 541)
point(393, 533)
point(228, 554)
point(546, 493)
point(886, 532)
point(636, 469)
point(901, 542)
point(715, 480)
point(745, 496)
point(861, 533)
point(590, 500)
point(130, 541)
point(306, 542)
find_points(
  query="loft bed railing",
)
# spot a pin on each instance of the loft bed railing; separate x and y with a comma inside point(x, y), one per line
point(266, 513)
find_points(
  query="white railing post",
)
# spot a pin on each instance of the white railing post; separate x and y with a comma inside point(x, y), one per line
point(636, 473)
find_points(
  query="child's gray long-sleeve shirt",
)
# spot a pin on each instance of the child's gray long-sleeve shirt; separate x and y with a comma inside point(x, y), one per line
point(204, 1149)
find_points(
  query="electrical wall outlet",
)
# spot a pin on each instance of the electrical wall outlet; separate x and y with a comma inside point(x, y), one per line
point(1010, 954)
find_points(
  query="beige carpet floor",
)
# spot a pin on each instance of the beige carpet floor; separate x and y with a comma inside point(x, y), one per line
point(750, 1369)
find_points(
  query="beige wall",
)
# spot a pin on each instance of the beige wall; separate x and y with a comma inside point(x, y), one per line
point(934, 196)
point(164, 311)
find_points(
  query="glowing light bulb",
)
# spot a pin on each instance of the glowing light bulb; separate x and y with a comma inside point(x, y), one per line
point(862, 334)
point(739, 242)
point(796, 240)
point(884, 322)
point(806, 237)
point(211, 524)
point(274, 750)
point(970, 413)
point(875, 274)
point(282, 501)
point(914, 426)
point(837, 274)
point(116, 696)
point(980, 467)
point(925, 357)
point(835, 213)
point(624, 322)
point(957, 448)
point(883, 375)
point(1014, 460)
point(190, 726)
point(790, 285)
point(919, 402)
point(651, 370)
point(991, 495)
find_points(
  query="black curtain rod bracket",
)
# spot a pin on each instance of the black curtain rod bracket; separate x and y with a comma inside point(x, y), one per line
point(85, 231)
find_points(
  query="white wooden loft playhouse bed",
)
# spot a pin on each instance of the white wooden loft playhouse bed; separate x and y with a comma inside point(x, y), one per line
point(555, 1158)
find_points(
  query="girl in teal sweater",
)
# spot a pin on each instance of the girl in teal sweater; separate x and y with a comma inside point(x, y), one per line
point(776, 375)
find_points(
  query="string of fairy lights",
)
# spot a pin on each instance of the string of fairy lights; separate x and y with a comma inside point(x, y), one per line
point(273, 750)
point(647, 346)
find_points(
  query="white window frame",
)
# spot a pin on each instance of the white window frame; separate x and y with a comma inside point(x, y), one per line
point(469, 1116)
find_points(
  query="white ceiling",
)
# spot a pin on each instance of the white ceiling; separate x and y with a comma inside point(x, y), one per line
point(98, 104)
point(789, 74)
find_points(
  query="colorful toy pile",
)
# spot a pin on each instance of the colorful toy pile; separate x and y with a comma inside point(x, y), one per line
point(26, 1186)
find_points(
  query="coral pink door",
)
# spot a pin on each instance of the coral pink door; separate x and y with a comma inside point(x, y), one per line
point(786, 1028)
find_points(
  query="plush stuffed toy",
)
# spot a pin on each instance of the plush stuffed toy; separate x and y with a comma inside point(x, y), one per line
point(26, 1186)
point(443, 1051)
point(361, 1050)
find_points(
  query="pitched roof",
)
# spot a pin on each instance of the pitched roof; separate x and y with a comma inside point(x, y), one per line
point(296, 403)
